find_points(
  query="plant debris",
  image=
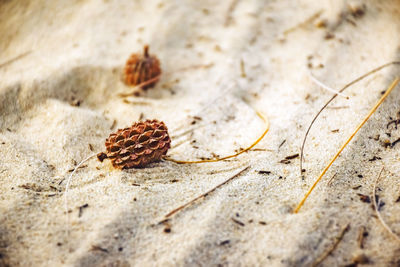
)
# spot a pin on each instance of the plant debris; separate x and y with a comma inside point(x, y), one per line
point(364, 198)
point(284, 141)
point(361, 236)
point(394, 143)
point(80, 167)
point(372, 111)
point(375, 158)
point(81, 209)
point(114, 123)
point(287, 159)
point(98, 248)
point(238, 222)
point(167, 227)
point(332, 98)
point(203, 195)
point(225, 242)
point(268, 172)
point(395, 122)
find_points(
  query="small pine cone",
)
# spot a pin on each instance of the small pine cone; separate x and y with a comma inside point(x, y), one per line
point(142, 69)
point(138, 145)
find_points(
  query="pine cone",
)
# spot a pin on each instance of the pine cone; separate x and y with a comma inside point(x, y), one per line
point(141, 69)
point(137, 146)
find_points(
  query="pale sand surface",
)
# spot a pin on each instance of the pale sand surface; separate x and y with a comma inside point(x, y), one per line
point(77, 50)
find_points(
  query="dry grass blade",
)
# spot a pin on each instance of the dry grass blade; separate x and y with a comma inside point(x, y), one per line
point(372, 111)
point(230, 156)
point(204, 194)
point(387, 228)
point(332, 98)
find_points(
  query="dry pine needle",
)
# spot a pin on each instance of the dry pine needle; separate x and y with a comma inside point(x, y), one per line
point(230, 156)
point(372, 111)
point(332, 98)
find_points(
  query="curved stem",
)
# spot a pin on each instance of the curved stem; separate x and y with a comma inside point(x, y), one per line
point(372, 111)
point(332, 98)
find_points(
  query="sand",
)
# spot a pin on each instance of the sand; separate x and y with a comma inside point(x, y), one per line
point(61, 64)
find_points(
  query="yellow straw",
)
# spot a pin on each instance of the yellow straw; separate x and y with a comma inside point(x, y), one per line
point(394, 83)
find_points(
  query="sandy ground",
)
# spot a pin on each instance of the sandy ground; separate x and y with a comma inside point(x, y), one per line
point(255, 55)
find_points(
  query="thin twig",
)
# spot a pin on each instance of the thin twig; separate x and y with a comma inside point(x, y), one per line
point(204, 194)
point(372, 111)
point(67, 187)
point(14, 59)
point(324, 86)
point(330, 180)
point(387, 228)
point(333, 247)
point(332, 98)
point(230, 156)
point(303, 23)
point(361, 236)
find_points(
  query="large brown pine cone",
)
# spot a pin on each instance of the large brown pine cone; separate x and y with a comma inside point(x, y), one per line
point(136, 146)
point(141, 69)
